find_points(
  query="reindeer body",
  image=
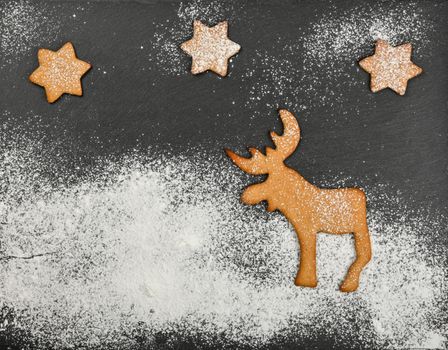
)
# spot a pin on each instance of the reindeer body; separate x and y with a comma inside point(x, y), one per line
point(309, 208)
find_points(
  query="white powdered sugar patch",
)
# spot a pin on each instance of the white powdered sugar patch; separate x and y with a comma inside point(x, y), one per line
point(23, 26)
point(163, 245)
point(169, 35)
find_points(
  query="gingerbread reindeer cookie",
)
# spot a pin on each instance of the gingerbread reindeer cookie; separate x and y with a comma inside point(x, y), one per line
point(308, 208)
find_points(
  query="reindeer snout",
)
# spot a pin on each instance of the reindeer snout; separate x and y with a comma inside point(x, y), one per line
point(252, 195)
point(248, 198)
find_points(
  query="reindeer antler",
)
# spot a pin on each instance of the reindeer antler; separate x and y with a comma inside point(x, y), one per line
point(288, 142)
point(258, 164)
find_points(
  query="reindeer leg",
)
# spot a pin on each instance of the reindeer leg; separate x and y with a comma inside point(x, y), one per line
point(306, 276)
point(363, 256)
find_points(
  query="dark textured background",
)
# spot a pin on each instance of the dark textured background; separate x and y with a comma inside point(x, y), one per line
point(386, 139)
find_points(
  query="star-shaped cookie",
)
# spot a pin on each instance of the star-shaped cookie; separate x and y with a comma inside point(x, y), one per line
point(210, 48)
point(59, 72)
point(390, 67)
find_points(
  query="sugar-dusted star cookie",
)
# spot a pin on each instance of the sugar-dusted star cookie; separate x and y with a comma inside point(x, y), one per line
point(59, 72)
point(390, 67)
point(210, 48)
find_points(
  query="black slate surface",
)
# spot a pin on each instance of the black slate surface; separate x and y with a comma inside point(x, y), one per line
point(367, 138)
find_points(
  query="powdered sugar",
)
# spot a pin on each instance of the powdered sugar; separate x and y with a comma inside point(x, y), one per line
point(23, 25)
point(162, 244)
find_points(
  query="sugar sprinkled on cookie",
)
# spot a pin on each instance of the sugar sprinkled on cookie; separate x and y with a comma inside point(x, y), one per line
point(59, 72)
point(210, 48)
point(390, 67)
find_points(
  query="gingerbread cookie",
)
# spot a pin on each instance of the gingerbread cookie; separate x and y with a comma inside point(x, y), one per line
point(210, 48)
point(59, 72)
point(390, 67)
point(309, 209)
